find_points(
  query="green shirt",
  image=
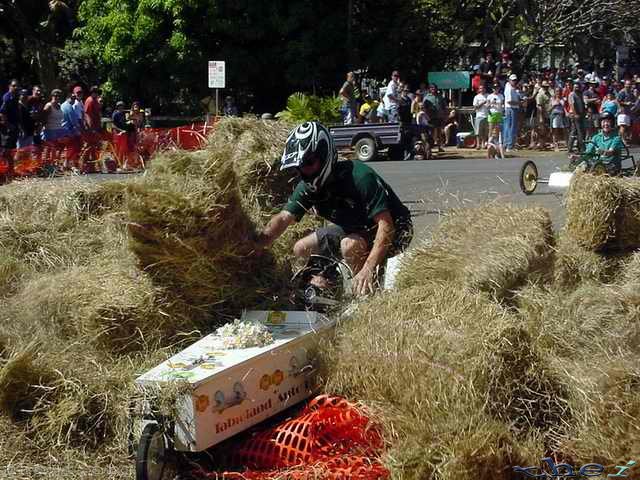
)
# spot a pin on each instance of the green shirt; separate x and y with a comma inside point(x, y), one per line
point(601, 142)
point(354, 197)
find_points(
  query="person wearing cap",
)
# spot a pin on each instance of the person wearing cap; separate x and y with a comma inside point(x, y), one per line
point(512, 108)
point(606, 147)
point(543, 110)
point(626, 101)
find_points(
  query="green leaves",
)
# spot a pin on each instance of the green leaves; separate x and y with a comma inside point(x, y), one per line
point(304, 108)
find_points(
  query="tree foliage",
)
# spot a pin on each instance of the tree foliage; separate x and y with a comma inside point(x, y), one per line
point(157, 50)
point(33, 31)
point(306, 108)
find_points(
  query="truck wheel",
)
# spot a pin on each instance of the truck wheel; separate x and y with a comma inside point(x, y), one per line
point(366, 149)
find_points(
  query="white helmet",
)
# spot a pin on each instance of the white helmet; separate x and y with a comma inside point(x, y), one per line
point(305, 144)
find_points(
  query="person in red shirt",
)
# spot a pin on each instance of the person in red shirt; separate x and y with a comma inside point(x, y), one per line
point(603, 88)
point(93, 119)
point(477, 79)
point(93, 110)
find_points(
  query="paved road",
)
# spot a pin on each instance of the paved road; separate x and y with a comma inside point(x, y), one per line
point(432, 187)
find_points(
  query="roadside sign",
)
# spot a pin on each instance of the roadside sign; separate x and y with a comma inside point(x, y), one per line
point(216, 74)
point(450, 80)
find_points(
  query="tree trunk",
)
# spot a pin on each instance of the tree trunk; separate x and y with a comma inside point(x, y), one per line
point(45, 57)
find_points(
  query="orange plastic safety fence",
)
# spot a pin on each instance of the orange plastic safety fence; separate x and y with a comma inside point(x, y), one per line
point(85, 151)
point(330, 439)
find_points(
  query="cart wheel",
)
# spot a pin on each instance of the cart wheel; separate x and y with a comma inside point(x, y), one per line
point(528, 177)
point(154, 460)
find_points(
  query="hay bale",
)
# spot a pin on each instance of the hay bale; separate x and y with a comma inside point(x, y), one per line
point(608, 430)
point(111, 305)
point(255, 147)
point(522, 388)
point(23, 382)
point(424, 359)
point(46, 226)
point(603, 213)
point(575, 265)
point(490, 249)
point(592, 319)
point(191, 233)
point(63, 394)
point(630, 269)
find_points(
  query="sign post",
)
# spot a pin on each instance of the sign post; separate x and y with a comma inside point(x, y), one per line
point(217, 76)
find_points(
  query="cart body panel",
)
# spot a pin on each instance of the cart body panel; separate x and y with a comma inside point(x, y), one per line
point(235, 389)
point(560, 180)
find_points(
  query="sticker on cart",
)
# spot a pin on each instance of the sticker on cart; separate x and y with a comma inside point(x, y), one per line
point(265, 382)
point(177, 365)
point(216, 353)
point(210, 365)
point(181, 375)
point(202, 403)
point(276, 318)
point(277, 377)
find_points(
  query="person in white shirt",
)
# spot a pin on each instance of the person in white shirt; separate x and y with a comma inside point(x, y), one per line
point(481, 105)
point(512, 107)
point(496, 113)
point(391, 97)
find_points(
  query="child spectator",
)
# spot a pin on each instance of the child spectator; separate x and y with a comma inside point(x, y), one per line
point(558, 122)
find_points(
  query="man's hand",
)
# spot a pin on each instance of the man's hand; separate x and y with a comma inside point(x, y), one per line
point(276, 227)
point(362, 283)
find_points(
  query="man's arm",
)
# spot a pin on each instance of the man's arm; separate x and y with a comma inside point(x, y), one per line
point(276, 227)
point(363, 281)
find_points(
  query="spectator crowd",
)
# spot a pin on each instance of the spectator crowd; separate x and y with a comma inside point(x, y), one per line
point(63, 129)
point(552, 108)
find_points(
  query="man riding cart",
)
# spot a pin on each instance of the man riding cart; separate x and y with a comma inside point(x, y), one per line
point(604, 154)
point(604, 151)
point(369, 223)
